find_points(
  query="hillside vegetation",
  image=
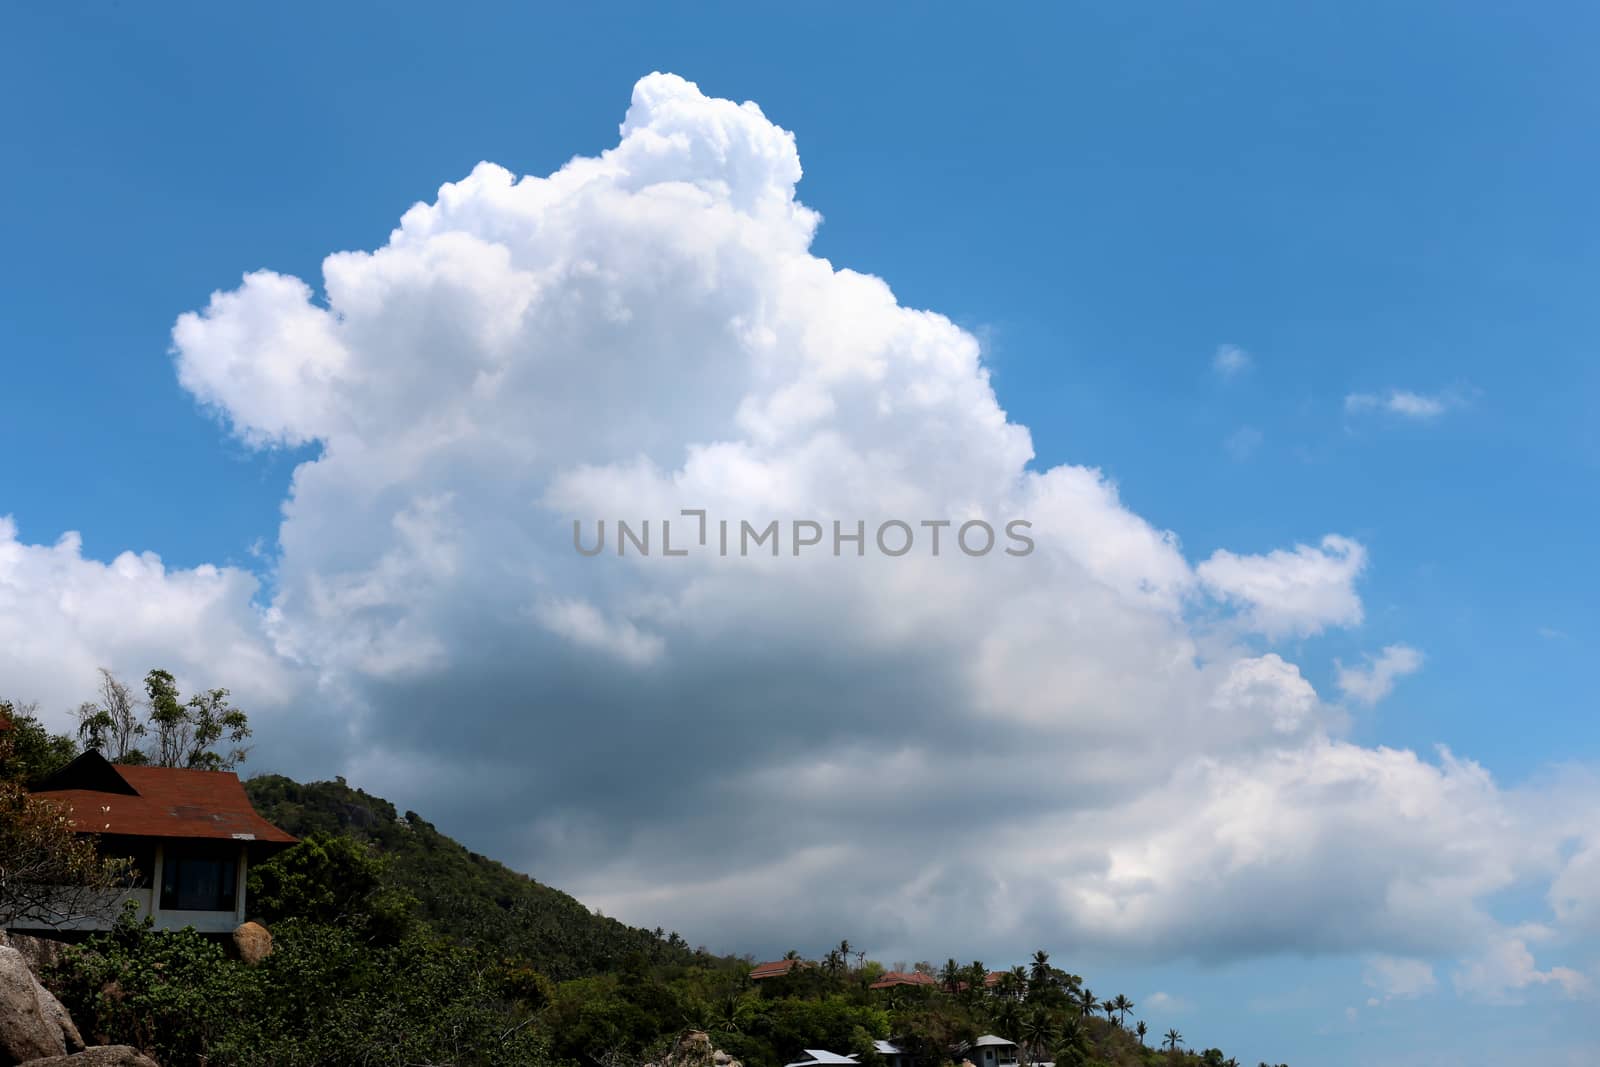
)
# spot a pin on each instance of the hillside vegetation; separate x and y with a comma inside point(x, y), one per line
point(460, 894)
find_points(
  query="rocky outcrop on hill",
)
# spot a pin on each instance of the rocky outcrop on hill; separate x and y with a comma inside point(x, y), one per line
point(694, 1049)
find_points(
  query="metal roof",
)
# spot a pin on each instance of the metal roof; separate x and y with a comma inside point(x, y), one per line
point(105, 798)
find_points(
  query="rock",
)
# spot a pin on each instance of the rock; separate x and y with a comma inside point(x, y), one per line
point(29, 1030)
point(57, 1013)
point(42, 953)
point(99, 1056)
point(694, 1049)
point(253, 942)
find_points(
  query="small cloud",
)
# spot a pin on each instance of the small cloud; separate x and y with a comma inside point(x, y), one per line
point(1370, 684)
point(1242, 443)
point(1230, 361)
point(1397, 976)
point(1296, 592)
point(1166, 1002)
point(1550, 633)
point(1506, 970)
point(582, 624)
point(1404, 403)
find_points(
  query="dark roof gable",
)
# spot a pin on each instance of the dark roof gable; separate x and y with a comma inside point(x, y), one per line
point(90, 771)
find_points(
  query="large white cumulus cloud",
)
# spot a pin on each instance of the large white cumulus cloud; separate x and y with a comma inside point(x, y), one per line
point(971, 754)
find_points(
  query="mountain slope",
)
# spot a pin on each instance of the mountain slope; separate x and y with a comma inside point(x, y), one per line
point(464, 895)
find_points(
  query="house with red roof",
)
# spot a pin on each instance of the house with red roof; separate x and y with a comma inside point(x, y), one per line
point(192, 836)
point(774, 969)
point(891, 979)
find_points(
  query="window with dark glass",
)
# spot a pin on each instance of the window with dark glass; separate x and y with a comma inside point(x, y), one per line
point(198, 880)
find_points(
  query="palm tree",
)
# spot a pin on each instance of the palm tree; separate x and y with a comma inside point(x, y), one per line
point(1072, 1048)
point(1086, 999)
point(950, 976)
point(792, 954)
point(1041, 967)
point(1141, 1029)
point(1174, 1039)
point(1122, 1006)
point(1110, 1008)
point(977, 980)
point(1038, 1029)
point(1008, 1021)
point(844, 953)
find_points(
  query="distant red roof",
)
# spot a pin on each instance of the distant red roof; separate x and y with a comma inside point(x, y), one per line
point(775, 969)
point(894, 978)
point(106, 798)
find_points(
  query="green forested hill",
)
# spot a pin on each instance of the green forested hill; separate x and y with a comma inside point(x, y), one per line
point(462, 894)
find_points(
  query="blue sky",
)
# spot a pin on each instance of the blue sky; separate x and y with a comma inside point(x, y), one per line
point(1361, 198)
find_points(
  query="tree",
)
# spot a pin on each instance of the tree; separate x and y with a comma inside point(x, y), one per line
point(950, 976)
point(1013, 984)
point(1141, 1029)
point(1008, 1022)
point(1074, 1042)
point(977, 978)
point(1174, 1039)
point(1039, 973)
point(1122, 1006)
point(111, 726)
point(1038, 1031)
point(49, 874)
point(332, 880)
point(845, 952)
point(31, 751)
point(186, 732)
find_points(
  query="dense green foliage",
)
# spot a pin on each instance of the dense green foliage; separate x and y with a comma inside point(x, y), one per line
point(33, 752)
point(460, 893)
point(323, 997)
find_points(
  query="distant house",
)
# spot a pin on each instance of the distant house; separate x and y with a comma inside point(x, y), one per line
point(775, 969)
point(991, 1050)
point(815, 1056)
point(904, 978)
point(893, 1055)
point(191, 835)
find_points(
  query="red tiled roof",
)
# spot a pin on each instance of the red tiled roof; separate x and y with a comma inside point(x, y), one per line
point(163, 802)
point(894, 978)
point(772, 970)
